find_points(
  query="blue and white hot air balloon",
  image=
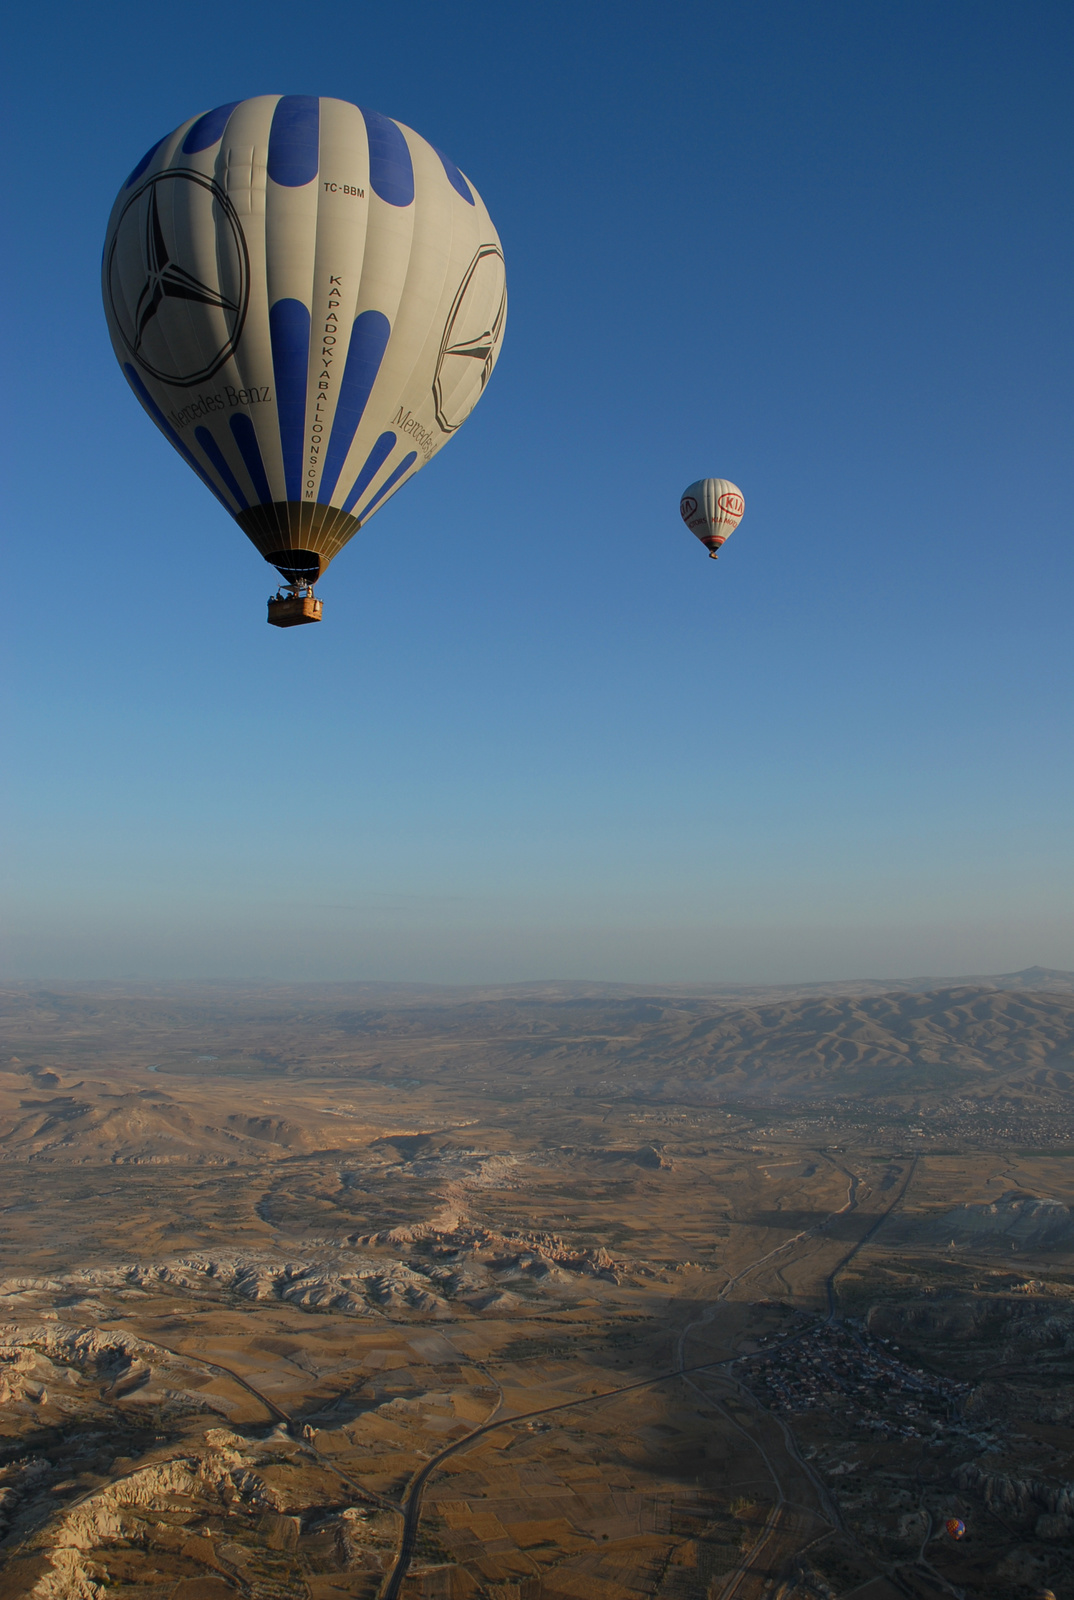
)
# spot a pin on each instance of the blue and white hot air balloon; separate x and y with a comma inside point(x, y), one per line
point(308, 299)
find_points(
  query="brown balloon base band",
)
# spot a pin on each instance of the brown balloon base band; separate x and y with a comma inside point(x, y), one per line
point(294, 610)
point(297, 538)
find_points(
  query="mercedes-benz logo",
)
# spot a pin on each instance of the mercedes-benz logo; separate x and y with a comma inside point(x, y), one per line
point(179, 241)
point(473, 332)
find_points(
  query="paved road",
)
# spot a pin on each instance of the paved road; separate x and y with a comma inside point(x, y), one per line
point(789, 1527)
point(217, 1366)
point(829, 1282)
point(412, 1503)
point(274, 1411)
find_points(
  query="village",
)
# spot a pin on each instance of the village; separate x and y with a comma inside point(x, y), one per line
point(839, 1365)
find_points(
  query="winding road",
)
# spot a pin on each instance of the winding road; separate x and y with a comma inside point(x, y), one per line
point(412, 1504)
point(411, 1507)
point(756, 1562)
point(829, 1282)
point(785, 1514)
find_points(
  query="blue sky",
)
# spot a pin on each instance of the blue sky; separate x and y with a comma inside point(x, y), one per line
point(820, 249)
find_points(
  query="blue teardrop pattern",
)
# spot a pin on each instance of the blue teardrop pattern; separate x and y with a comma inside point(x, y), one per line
point(373, 463)
point(208, 130)
point(391, 171)
point(170, 434)
point(249, 449)
point(146, 159)
point(370, 333)
point(403, 467)
point(294, 140)
point(289, 330)
point(219, 461)
point(455, 177)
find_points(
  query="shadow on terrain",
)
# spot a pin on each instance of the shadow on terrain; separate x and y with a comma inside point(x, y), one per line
point(849, 1226)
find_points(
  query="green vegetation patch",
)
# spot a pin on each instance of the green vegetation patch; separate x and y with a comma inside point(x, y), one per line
point(534, 1349)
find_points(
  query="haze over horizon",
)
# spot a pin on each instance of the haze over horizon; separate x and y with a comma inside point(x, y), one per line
point(824, 251)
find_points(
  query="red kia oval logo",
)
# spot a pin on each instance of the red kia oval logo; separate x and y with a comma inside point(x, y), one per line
point(732, 505)
point(687, 508)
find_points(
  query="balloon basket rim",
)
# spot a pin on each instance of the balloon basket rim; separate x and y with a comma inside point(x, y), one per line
point(292, 610)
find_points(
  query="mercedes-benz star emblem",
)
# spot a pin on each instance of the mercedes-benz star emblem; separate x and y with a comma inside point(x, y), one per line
point(473, 333)
point(148, 283)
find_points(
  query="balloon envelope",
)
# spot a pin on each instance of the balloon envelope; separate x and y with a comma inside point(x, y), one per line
point(712, 509)
point(955, 1527)
point(308, 299)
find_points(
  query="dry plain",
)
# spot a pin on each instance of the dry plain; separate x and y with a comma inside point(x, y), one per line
point(567, 1290)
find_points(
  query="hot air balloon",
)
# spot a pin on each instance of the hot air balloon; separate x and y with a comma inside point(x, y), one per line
point(712, 509)
point(308, 299)
point(954, 1527)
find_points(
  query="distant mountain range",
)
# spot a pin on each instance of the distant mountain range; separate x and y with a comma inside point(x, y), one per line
point(1049, 980)
point(959, 1046)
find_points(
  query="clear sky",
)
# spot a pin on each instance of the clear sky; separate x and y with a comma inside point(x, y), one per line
point(821, 249)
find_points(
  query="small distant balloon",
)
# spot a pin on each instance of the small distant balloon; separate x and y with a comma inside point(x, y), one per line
point(712, 509)
point(954, 1527)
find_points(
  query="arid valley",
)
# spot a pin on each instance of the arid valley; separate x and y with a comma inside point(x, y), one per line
point(578, 1291)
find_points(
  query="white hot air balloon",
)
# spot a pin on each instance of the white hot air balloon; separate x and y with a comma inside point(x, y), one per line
point(712, 509)
point(308, 299)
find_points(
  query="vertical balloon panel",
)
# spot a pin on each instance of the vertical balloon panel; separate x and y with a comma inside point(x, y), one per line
point(246, 430)
point(339, 350)
point(290, 253)
point(388, 274)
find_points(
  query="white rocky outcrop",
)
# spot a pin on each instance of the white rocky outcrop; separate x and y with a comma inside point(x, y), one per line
point(1031, 1221)
point(1021, 1496)
point(224, 1476)
point(355, 1286)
